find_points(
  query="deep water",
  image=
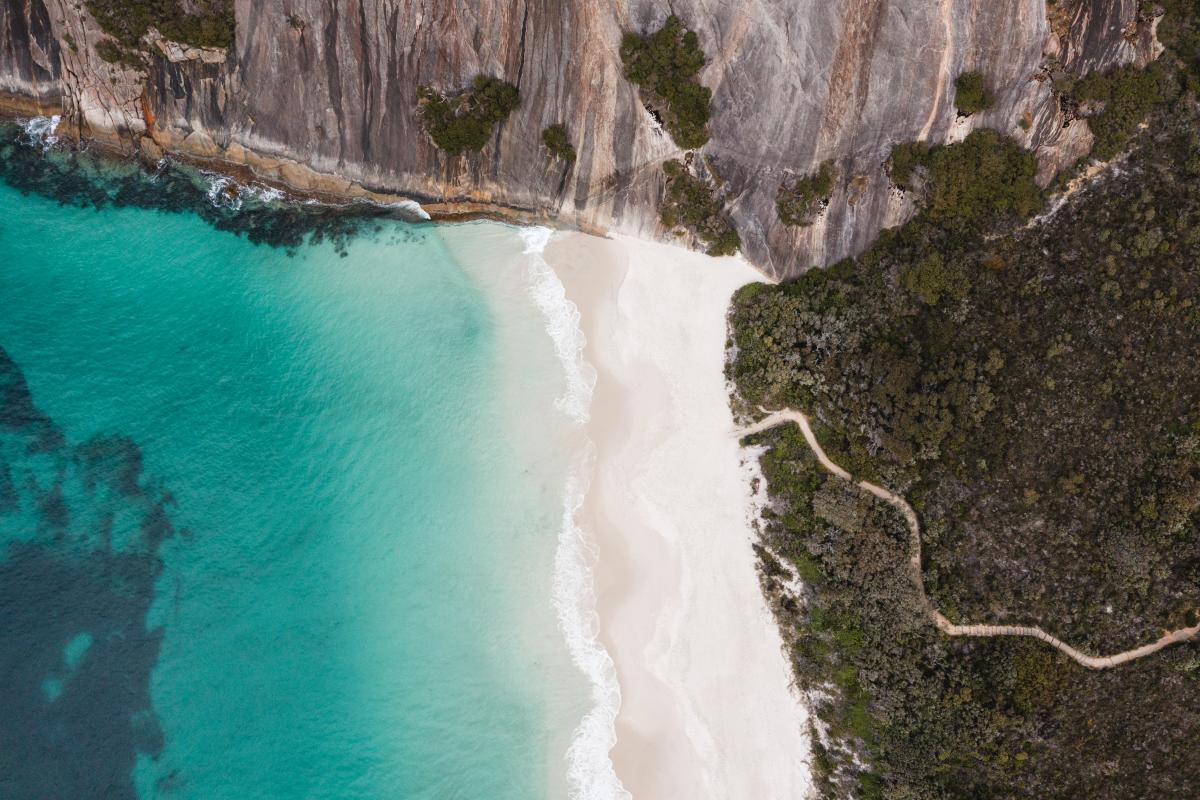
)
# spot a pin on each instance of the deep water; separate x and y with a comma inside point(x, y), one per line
point(279, 495)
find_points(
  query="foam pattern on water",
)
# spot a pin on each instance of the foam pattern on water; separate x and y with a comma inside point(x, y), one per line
point(590, 772)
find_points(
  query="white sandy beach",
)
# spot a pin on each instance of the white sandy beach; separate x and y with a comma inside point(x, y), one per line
point(707, 710)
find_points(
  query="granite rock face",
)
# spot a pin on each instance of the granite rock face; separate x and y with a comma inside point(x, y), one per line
point(321, 94)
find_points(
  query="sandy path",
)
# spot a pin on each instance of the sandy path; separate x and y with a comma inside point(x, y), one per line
point(914, 563)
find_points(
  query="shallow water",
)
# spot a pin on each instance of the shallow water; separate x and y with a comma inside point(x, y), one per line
point(276, 521)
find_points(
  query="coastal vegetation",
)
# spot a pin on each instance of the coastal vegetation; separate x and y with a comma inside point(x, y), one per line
point(971, 94)
point(982, 180)
point(690, 203)
point(1115, 103)
point(1029, 390)
point(464, 121)
point(558, 142)
point(802, 200)
point(203, 23)
point(664, 65)
point(113, 53)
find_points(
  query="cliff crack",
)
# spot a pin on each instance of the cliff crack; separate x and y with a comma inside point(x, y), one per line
point(521, 43)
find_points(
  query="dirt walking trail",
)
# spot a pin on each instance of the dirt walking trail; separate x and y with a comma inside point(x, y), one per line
point(914, 562)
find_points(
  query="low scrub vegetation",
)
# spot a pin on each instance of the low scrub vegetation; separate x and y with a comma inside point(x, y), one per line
point(203, 23)
point(664, 65)
point(465, 121)
point(981, 180)
point(1117, 102)
point(801, 201)
point(691, 204)
point(1028, 389)
point(113, 53)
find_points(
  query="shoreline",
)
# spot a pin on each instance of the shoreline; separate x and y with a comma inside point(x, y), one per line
point(707, 704)
point(705, 688)
point(296, 179)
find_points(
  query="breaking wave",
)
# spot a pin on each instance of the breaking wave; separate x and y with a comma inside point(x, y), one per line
point(40, 132)
point(590, 772)
point(562, 323)
point(224, 192)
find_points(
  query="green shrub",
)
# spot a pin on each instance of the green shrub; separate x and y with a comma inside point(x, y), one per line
point(113, 53)
point(1179, 31)
point(558, 142)
point(802, 201)
point(904, 161)
point(665, 64)
point(973, 182)
point(690, 204)
point(465, 121)
point(979, 179)
point(202, 23)
point(1044, 429)
point(1125, 96)
point(971, 95)
point(931, 278)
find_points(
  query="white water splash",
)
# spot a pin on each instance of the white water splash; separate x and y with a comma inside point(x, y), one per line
point(590, 772)
point(225, 192)
point(562, 323)
point(411, 207)
point(41, 132)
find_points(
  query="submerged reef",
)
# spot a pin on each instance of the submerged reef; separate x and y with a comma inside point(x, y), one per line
point(96, 180)
point(82, 528)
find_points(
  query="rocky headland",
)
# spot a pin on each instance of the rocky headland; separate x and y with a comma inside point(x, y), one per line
point(322, 97)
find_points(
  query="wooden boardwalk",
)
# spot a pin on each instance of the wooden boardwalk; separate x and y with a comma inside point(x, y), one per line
point(914, 563)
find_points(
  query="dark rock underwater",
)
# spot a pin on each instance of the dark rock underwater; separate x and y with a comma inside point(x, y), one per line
point(78, 566)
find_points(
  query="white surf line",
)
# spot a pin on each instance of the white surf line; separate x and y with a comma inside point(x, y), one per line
point(590, 771)
point(914, 526)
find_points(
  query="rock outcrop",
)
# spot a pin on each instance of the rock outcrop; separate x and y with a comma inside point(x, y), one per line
point(320, 94)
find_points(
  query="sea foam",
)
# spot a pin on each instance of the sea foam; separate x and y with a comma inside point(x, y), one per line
point(562, 323)
point(590, 772)
point(41, 132)
point(224, 192)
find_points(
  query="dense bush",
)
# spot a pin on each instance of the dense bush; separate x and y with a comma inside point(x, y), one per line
point(983, 177)
point(1124, 97)
point(665, 64)
point(1179, 32)
point(904, 160)
point(974, 182)
point(203, 23)
point(971, 94)
point(690, 204)
point(465, 121)
point(558, 142)
point(1024, 387)
point(113, 53)
point(801, 201)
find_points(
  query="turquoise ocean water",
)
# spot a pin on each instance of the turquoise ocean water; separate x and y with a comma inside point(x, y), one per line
point(278, 522)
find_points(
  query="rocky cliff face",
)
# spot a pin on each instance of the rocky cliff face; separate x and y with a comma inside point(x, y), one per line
point(321, 94)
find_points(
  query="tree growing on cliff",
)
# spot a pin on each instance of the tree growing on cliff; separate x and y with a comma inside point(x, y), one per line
point(801, 201)
point(690, 204)
point(202, 23)
point(971, 94)
point(665, 65)
point(465, 121)
point(1118, 101)
point(558, 142)
point(981, 179)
